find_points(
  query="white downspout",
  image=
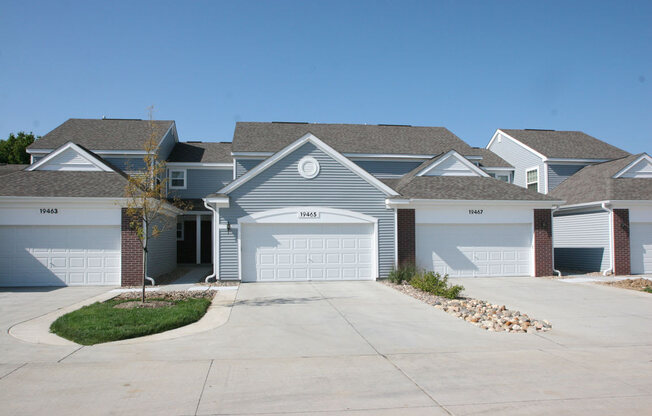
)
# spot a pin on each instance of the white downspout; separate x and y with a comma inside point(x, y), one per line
point(611, 238)
point(215, 219)
point(553, 241)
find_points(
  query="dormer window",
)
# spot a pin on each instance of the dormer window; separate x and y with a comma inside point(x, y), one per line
point(177, 179)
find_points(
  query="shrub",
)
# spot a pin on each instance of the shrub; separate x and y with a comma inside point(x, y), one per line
point(402, 274)
point(436, 284)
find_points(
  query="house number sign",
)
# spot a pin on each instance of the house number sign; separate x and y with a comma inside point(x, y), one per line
point(304, 215)
point(49, 211)
point(476, 211)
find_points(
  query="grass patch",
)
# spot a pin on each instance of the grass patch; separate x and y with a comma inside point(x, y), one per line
point(435, 284)
point(101, 322)
point(648, 289)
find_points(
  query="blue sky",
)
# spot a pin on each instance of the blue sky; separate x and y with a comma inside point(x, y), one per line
point(470, 66)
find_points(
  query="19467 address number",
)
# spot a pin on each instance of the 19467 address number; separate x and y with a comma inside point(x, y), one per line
point(49, 211)
point(476, 211)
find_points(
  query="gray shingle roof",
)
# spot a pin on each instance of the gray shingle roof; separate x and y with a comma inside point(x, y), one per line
point(463, 188)
point(596, 183)
point(98, 134)
point(489, 158)
point(63, 184)
point(348, 138)
point(7, 168)
point(566, 144)
point(200, 152)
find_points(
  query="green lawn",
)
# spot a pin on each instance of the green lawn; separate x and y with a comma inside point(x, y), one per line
point(648, 289)
point(101, 322)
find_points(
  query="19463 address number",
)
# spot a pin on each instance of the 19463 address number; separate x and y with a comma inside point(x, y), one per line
point(49, 211)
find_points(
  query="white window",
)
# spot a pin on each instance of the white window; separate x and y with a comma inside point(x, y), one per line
point(180, 230)
point(504, 178)
point(177, 179)
point(532, 179)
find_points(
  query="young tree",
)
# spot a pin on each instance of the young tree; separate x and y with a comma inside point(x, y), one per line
point(12, 150)
point(147, 205)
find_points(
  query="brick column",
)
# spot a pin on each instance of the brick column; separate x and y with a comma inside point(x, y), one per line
point(543, 242)
point(132, 254)
point(405, 237)
point(622, 259)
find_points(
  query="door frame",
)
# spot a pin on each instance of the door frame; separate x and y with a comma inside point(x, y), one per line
point(291, 215)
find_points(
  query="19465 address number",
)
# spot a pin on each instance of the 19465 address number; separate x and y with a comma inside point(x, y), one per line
point(49, 211)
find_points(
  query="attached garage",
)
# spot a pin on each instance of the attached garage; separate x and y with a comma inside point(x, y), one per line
point(641, 247)
point(59, 255)
point(475, 250)
point(475, 241)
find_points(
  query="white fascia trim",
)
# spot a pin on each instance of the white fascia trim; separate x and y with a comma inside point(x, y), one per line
point(416, 203)
point(97, 152)
point(563, 161)
point(83, 153)
point(545, 174)
point(220, 202)
point(449, 154)
point(320, 145)
point(194, 165)
point(499, 168)
point(473, 157)
point(544, 158)
point(385, 156)
point(255, 155)
point(631, 165)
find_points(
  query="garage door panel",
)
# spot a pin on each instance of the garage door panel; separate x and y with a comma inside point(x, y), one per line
point(641, 247)
point(318, 251)
point(475, 250)
point(57, 255)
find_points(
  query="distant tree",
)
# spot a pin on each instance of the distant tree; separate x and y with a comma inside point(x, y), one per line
point(12, 150)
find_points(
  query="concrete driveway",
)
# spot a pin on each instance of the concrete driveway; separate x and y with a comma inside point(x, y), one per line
point(351, 347)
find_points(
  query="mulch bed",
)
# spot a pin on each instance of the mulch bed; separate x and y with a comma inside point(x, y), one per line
point(631, 284)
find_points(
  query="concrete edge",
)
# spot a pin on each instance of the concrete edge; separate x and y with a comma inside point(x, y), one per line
point(37, 330)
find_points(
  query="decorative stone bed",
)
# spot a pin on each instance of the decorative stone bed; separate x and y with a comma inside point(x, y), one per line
point(490, 317)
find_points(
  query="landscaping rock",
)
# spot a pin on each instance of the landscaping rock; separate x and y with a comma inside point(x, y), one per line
point(490, 317)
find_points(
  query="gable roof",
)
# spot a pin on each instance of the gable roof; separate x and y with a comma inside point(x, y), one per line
point(102, 134)
point(596, 183)
point(85, 154)
point(566, 144)
point(307, 138)
point(348, 138)
point(51, 183)
point(427, 166)
point(201, 152)
point(7, 168)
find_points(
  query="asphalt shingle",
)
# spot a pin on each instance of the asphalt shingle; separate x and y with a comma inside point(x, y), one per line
point(201, 152)
point(49, 183)
point(566, 144)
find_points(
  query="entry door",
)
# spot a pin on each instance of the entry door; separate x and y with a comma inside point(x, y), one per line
point(302, 252)
point(475, 250)
point(59, 255)
point(641, 247)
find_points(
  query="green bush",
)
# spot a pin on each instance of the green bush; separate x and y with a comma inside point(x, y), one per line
point(402, 274)
point(436, 284)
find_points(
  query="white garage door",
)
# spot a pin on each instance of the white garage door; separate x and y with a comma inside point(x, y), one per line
point(640, 239)
point(475, 250)
point(300, 252)
point(59, 255)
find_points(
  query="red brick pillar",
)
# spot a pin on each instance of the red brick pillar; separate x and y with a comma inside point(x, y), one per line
point(543, 242)
point(405, 237)
point(622, 259)
point(132, 254)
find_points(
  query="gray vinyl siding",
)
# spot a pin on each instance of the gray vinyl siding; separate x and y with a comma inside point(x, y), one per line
point(521, 158)
point(387, 169)
point(243, 166)
point(162, 257)
point(127, 163)
point(202, 182)
point(281, 186)
point(167, 144)
point(581, 241)
point(558, 173)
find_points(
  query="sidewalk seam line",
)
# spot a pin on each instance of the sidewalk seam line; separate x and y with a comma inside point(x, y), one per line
point(14, 370)
point(203, 387)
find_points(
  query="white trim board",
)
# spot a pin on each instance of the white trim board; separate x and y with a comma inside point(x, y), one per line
point(452, 154)
point(90, 158)
point(623, 171)
point(261, 167)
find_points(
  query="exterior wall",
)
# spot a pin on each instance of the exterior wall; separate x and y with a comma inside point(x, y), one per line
point(582, 241)
point(622, 260)
point(519, 157)
point(167, 144)
point(406, 244)
point(387, 169)
point(127, 163)
point(281, 186)
point(558, 173)
point(132, 254)
point(202, 182)
point(243, 166)
point(542, 242)
point(162, 252)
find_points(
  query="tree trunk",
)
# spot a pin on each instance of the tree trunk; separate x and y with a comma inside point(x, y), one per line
point(144, 257)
